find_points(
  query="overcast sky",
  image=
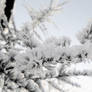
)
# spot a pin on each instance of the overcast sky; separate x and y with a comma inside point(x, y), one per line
point(73, 18)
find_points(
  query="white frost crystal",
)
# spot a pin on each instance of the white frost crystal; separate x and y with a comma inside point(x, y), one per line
point(2, 6)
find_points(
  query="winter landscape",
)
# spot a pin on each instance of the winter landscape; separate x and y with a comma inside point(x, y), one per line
point(33, 60)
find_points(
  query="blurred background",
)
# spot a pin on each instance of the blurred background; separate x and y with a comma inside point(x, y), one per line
point(74, 17)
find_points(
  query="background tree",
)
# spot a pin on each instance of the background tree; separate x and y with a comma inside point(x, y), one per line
point(85, 35)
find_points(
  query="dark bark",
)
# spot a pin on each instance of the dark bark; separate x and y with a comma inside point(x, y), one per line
point(8, 8)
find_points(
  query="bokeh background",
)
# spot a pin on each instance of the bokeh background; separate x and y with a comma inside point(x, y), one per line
point(74, 16)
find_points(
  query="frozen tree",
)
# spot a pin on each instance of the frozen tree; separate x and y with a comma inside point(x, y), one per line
point(42, 16)
point(28, 39)
point(58, 42)
point(65, 41)
point(85, 35)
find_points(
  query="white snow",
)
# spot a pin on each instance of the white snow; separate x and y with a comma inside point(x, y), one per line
point(85, 82)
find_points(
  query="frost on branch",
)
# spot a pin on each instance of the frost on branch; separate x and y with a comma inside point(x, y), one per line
point(23, 70)
point(27, 38)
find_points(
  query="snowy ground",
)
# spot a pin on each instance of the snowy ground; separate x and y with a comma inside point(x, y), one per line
point(84, 82)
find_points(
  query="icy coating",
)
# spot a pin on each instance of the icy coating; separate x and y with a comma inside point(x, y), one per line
point(27, 65)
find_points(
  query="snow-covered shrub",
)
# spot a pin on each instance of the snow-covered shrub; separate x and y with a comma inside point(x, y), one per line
point(88, 47)
point(28, 62)
point(79, 53)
